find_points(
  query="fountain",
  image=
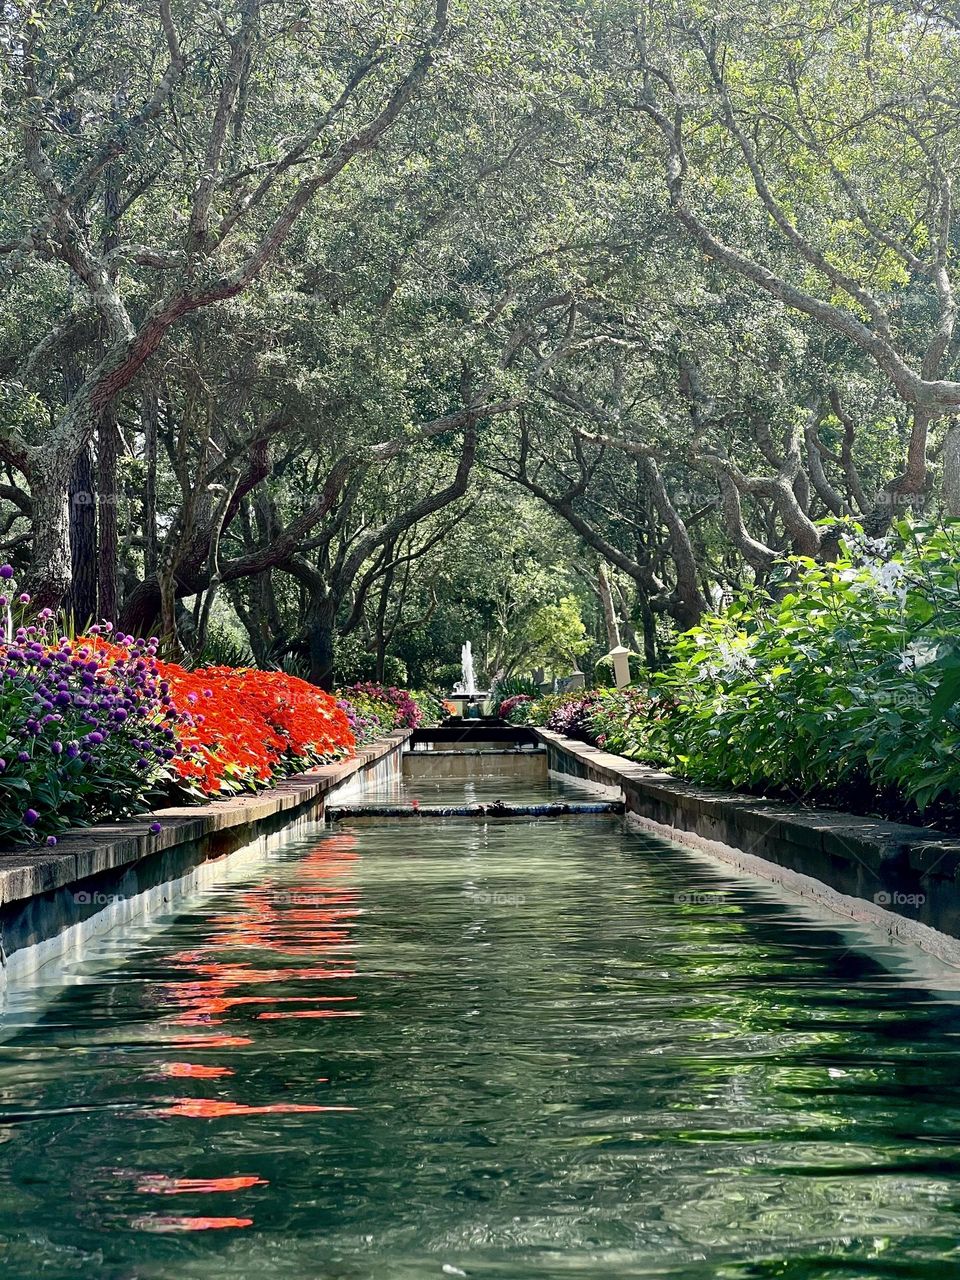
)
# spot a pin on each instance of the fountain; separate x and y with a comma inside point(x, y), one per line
point(466, 697)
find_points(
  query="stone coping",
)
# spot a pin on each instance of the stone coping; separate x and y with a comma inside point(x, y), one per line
point(910, 871)
point(89, 851)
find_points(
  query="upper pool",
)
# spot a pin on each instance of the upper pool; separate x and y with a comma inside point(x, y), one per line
point(512, 1049)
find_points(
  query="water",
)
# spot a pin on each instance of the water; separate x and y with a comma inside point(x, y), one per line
point(466, 667)
point(512, 1049)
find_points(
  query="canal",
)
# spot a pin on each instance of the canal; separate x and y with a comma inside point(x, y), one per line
point(396, 1049)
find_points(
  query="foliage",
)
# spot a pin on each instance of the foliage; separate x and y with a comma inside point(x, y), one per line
point(368, 718)
point(515, 709)
point(511, 686)
point(629, 722)
point(224, 648)
point(603, 669)
point(842, 684)
point(374, 710)
point(88, 732)
point(848, 681)
point(554, 636)
point(355, 665)
point(544, 349)
point(431, 707)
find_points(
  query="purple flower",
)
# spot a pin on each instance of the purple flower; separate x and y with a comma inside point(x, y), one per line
point(6, 570)
point(23, 597)
point(155, 828)
point(31, 817)
point(95, 738)
point(56, 748)
point(51, 841)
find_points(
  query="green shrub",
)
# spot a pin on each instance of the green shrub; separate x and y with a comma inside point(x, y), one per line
point(850, 680)
point(514, 687)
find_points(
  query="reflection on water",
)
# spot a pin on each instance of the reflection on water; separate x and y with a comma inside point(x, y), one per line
point(509, 1049)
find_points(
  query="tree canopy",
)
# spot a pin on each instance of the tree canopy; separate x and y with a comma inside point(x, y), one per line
point(331, 336)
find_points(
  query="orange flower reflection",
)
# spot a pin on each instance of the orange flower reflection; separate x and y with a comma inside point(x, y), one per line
point(189, 1224)
point(157, 1184)
point(180, 1070)
point(214, 1108)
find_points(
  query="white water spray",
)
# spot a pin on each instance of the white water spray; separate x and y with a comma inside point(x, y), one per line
point(468, 683)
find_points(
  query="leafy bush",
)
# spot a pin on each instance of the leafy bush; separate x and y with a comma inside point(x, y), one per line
point(380, 709)
point(849, 681)
point(432, 710)
point(629, 722)
point(368, 719)
point(354, 665)
point(841, 685)
point(513, 687)
point(515, 709)
point(85, 736)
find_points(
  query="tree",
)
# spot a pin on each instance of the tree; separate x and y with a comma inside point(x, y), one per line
point(97, 211)
point(812, 157)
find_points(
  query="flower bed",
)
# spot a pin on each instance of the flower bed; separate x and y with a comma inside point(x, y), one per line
point(97, 728)
point(627, 722)
point(374, 709)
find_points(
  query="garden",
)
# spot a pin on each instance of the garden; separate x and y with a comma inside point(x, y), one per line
point(835, 684)
point(97, 727)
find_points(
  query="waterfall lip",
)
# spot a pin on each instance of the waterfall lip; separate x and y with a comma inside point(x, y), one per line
point(491, 809)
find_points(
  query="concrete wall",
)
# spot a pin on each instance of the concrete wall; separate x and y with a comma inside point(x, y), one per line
point(904, 879)
point(47, 892)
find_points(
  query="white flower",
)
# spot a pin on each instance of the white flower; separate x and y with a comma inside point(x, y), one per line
point(917, 654)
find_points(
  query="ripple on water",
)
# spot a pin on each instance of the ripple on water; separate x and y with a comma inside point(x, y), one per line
point(516, 1049)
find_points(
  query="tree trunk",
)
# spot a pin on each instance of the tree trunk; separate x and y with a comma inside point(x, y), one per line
point(609, 609)
point(108, 541)
point(690, 605)
point(321, 641)
point(951, 470)
point(381, 621)
point(82, 599)
point(149, 416)
point(49, 577)
point(649, 623)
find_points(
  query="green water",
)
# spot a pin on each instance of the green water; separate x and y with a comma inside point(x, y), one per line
point(514, 1050)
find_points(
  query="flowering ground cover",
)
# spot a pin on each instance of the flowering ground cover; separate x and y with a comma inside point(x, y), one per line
point(97, 727)
point(374, 709)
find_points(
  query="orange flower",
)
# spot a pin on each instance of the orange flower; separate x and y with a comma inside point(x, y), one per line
point(242, 728)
